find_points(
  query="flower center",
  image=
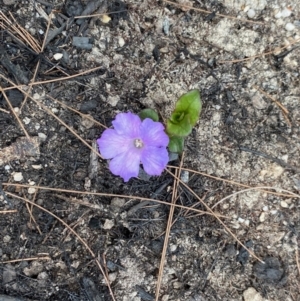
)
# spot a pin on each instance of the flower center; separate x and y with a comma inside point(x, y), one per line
point(138, 143)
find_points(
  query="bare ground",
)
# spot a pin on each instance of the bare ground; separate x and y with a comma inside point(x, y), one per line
point(148, 55)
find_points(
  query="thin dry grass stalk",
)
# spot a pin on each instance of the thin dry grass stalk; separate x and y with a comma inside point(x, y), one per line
point(168, 230)
point(26, 259)
point(291, 195)
point(38, 63)
point(99, 15)
point(246, 190)
point(53, 115)
point(109, 195)
point(219, 220)
point(78, 202)
point(8, 211)
point(4, 111)
point(66, 126)
point(284, 110)
point(282, 107)
point(77, 112)
point(18, 32)
point(259, 55)
point(30, 209)
point(297, 260)
point(74, 233)
point(210, 12)
point(20, 87)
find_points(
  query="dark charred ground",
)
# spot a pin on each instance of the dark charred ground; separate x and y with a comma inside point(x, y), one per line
point(237, 138)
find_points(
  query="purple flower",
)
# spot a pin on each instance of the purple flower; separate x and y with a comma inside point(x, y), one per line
point(132, 142)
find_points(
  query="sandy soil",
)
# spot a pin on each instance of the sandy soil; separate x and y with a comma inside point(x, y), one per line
point(148, 54)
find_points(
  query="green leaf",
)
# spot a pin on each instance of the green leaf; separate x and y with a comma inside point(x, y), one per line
point(189, 103)
point(182, 128)
point(176, 144)
point(148, 113)
point(185, 115)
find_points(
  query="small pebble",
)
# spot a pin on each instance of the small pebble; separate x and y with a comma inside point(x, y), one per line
point(7, 167)
point(39, 166)
point(240, 220)
point(177, 284)
point(250, 294)
point(284, 204)
point(112, 276)
point(105, 18)
point(34, 269)
point(31, 190)
point(277, 14)
point(289, 26)
point(32, 31)
point(18, 177)
point(173, 248)
point(108, 224)
point(42, 136)
point(166, 298)
point(262, 217)
point(166, 26)
point(87, 121)
point(117, 204)
point(265, 208)
point(286, 13)
point(184, 177)
point(36, 96)
point(297, 23)
point(26, 120)
point(226, 206)
point(42, 276)
point(57, 56)
point(260, 227)
point(6, 238)
point(251, 13)
point(113, 100)
point(121, 42)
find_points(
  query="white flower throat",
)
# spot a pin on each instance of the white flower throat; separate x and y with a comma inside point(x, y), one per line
point(138, 143)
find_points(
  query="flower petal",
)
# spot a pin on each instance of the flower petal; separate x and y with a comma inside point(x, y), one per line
point(126, 165)
point(111, 144)
point(127, 124)
point(154, 160)
point(153, 134)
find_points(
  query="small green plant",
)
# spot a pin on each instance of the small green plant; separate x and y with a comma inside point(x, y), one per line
point(183, 119)
point(142, 139)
